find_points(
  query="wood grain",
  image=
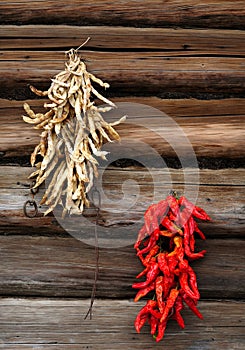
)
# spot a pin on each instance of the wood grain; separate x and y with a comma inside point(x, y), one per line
point(225, 14)
point(218, 135)
point(190, 107)
point(171, 42)
point(143, 73)
point(127, 193)
point(149, 49)
point(64, 267)
point(59, 324)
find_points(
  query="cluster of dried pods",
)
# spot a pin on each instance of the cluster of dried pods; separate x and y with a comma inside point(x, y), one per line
point(73, 133)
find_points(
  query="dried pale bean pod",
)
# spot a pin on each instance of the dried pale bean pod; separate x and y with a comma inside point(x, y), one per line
point(61, 83)
point(52, 182)
point(67, 142)
point(34, 173)
point(64, 115)
point(29, 111)
point(111, 132)
point(57, 190)
point(102, 98)
point(35, 153)
point(98, 81)
point(38, 92)
point(51, 150)
point(79, 169)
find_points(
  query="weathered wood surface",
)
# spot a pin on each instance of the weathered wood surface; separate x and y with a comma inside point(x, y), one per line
point(145, 49)
point(171, 42)
point(131, 72)
point(173, 107)
point(219, 192)
point(225, 14)
point(217, 132)
point(64, 267)
point(59, 324)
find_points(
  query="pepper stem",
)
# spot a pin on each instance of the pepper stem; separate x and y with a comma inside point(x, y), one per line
point(174, 194)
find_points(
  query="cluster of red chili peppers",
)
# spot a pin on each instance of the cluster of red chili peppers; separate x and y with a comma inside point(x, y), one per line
point(165, 245)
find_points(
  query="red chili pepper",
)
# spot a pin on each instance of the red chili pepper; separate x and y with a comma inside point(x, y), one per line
point(172, 217)
point(173, 204)
point(151, 255)
point(187, 280)
point(171, 226)
point(172, 261)
point(169, 283)
point(151, 220)
point(143, 314)
point(144, 272)
point(170, 303)
point(163, 264)
point(202, 214)
point(184, 216)
point(191, 227)
point(178, 306)
point(161, 330)
point(191, 304)
point(140, 321)
point(151, 243)
point(178, 250)
point(153, 321)
point(197, 230)
point(196, 211)
point(192, 243)
point(193, 282)
point(150, 277)
point(183, 280)
point(159, 292)
point(188, 252)
point(161, 210)
point(154, 214)
point(142, 292)
point(191, 224)
point(141, 235)
point(166, 233)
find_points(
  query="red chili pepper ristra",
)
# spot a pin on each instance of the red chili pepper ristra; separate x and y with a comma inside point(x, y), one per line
point(166, 246)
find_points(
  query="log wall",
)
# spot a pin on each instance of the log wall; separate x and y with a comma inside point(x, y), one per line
point(186, 60)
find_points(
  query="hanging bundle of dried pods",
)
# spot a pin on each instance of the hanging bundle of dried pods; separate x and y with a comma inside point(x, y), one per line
point(165, 246)
point(73, 132)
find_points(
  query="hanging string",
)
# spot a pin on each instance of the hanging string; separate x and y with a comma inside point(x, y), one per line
point(96, 273)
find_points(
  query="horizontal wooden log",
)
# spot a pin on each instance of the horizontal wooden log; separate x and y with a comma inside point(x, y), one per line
point(173, 107)
point(217, 191)
point(56, 266)
point(51, 324)
point(171, 42)
point(215, 133)
point(131, 73)
point(226, 14)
